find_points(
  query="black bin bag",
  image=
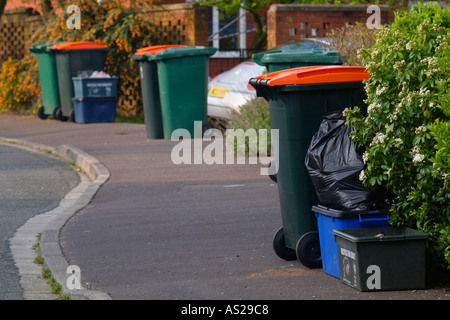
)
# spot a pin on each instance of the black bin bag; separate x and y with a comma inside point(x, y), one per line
point(334, 166)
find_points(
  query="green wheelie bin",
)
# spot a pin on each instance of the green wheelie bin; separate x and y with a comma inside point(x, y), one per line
point(71, 58)
point(150, 90)
point(283, 59)
point(300, 58)
point(48, 79)
point(288, 59)
point(298, 99)
point(183, 86)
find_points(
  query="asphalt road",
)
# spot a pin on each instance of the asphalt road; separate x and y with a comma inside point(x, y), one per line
point(30, 183)
point(160, 231)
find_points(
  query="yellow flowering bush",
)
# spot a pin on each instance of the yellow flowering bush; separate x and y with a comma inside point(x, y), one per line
point(124, 28)
point(19, 87)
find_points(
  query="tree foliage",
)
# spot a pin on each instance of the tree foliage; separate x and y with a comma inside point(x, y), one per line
point(253, 7)
point(123, 28)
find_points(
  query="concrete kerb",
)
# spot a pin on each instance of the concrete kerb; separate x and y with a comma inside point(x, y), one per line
point(49, 225)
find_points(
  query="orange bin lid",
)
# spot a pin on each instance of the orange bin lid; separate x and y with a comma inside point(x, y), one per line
point(78, 45)
point(155, 49)
point(313, 75)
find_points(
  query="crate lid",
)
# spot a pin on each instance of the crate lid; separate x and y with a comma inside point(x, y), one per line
point(95, 100)
point(375, 234)
point(312, 75)
point(79, 45)
point(87, 79)
point(305, 55)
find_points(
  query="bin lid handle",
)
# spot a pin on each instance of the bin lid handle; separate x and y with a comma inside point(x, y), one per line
point(155, 49)
point(78, 45)
point(314, 75)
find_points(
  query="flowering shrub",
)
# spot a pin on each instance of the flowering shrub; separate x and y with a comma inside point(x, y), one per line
point(19, 89)
point(124, 28)
point(406, 129)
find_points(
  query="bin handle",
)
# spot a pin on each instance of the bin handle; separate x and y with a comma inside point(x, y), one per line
point(373, 218)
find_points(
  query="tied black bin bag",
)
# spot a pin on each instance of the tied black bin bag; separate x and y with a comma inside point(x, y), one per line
point(334, 166)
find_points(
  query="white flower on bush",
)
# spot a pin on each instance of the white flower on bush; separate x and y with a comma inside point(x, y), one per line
point(430, 72)
point(365, 156)
point(373, 107)
point(399, 64)
point(424, 92)
point(431, 61)
point(388, 172)
point(409, 98)
point(367, 88)
point(362, 175)
point(418, 157)
point(408, 46)
point(442, 40)
point(370, 65)
point(414, 150)
point(382, 137)
point(378, 139)
point(381, 90)
point(374, 53)
point(423, 26)
point(436, 27)
point(347, 112)
point(420, 129)
point(392, 116)
point(398, 142)
point(394, 47)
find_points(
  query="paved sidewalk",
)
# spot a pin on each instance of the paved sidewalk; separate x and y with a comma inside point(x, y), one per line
point(156, 230)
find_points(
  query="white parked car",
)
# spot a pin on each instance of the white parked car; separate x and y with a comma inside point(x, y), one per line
point(228, 91)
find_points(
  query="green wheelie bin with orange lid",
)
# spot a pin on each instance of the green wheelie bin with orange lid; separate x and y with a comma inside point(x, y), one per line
point(298, 99)
point(72, 58)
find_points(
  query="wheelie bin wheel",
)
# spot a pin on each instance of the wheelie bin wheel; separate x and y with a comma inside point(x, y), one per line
point(59, 115)
point(41, 114)
point(308, 250)
point(279, 245)
point(55, 113)
point(72, 116)
point(273, 177)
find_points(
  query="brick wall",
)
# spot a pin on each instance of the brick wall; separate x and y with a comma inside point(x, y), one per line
point(181, 23)
point(292, 22)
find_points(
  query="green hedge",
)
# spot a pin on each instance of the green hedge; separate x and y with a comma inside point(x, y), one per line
point(406, 131)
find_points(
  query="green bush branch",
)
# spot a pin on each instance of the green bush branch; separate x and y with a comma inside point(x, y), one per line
point(406, 129)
